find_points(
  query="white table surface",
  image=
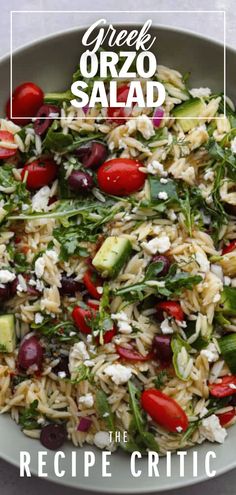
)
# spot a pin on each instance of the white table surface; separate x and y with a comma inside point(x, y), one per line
point(10, 483)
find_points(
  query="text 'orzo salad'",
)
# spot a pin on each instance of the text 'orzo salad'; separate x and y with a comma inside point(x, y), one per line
point(118, 268)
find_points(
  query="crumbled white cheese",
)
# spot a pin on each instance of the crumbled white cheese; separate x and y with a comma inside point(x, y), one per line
point(166, 328)
point(163, 195)
point(163, 181)
point(202, 261)
point(6, 276)
point(119, 374)
point(40, 199)
point(156, 167)
point(61, 374)
point(39, 266)
point(200, 92)
point(211, 353)
point(38, 318)
point(145, 126)
point(102, 439)
point(179, 429)
point(158, 244)
point(233, 145)
point(87, 400)
point(171, 215)
point(212, 430)
point(227, 281)
point(123, 322)
point(22, 285)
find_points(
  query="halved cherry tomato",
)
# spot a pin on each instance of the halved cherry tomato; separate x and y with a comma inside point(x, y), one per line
point(91, 281)
point(40, 173)
point(229, 248)
point(120, 176)
point(107, 336)
point(172, 308)
point(93, 303)
point(164, 410)
point(9, 138)
point(131, 354)
point(119, 112)
point(226, 388)
point(226, 417)
point(81, 318)
point(26, 101)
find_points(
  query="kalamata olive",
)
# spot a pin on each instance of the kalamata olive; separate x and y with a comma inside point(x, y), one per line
point(230, 209)
point(92, 154)
point(232, 401)
point(43, 120)
point(161, 347)
point(62, 366)
point(13, 287)
point(5, 293)
point(30, 354)
point(53, 436)
point(69, 286)
point(166, 263)
point(80, 181)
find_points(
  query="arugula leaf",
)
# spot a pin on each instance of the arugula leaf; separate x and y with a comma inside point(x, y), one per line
point(172, 284)
point(104, 410)
point(55, 140)
point(138, 424)
point(82, 373)
point(157, 187)
point(28, 417)
point(60, 332)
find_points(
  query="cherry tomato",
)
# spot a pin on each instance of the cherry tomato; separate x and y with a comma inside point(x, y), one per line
point(131, 354)
point(26, 101)
point(229, 248)
point(164, 410)
point(119, 112)
point(107, 336)
point(81, 318)
point(226, 388)
point(40, 173)
point(120, 176)
point(91, 281)
point(226, 417)
point(6, 152)
point(172, 308)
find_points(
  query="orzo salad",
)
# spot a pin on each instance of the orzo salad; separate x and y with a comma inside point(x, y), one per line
point(118, 268)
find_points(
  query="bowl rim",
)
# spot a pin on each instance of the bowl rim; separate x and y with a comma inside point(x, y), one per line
point(6, 457)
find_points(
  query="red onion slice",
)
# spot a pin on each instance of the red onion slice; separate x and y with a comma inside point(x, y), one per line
point(158, 116)
point(84, 424)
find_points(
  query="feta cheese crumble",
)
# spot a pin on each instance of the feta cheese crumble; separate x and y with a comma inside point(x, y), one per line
point(156, 167)
point(158, 244)
point(87, 400)
point(102, 439)
point(6, 276)
point(200, 92)
point(166, 328)
point(39, 267)
point(211, 353)
point(77, 354)
point(162, 195)
point(212, 430)
point(40, 199)
point(119, 374)
point(38, 318)
point(122, 322)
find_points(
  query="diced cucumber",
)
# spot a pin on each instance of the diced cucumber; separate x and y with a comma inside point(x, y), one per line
point(191, 109)
point(203, 338)
point(112, 256)
point(227, 346)
point(227, 303)
point(7, 333)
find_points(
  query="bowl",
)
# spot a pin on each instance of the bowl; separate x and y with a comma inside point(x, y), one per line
point(46, 62)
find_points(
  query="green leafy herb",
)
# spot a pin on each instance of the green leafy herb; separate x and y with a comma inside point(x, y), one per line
point(137, 431)
point(64, 331)
point(104, 410)
point(81, 374)
point(160, 379)
point(28, 417)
